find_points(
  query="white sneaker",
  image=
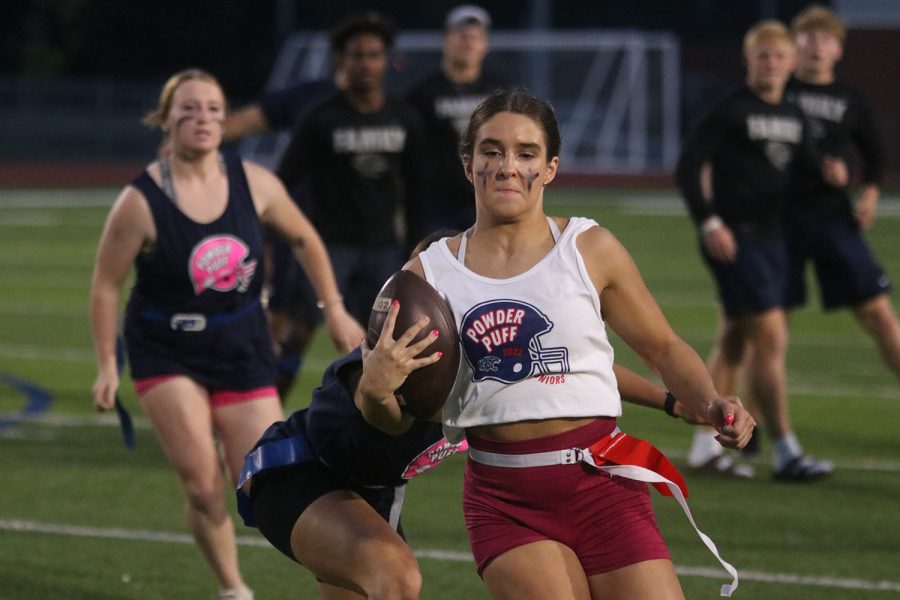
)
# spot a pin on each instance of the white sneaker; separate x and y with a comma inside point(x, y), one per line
point(743, 469)
point(728, 465)
point(704, 448)
point(236, 594)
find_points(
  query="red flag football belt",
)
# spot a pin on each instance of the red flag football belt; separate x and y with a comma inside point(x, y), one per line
point(618, 454)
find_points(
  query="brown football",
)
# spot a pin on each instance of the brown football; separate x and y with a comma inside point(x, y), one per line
point(425, 390)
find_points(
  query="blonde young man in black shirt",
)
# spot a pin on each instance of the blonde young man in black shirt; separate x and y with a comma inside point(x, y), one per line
point(736, 173)
point(825, 223)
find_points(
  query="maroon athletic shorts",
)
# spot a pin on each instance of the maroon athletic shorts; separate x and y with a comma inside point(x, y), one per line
point(608, 522)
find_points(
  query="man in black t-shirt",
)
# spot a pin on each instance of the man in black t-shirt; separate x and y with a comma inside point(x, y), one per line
point(825, 223)
point(445, 100)
point(736, 174)
point(358, 155)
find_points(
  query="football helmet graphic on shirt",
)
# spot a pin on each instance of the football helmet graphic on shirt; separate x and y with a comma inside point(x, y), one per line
point(502, 341)
point(221, 263)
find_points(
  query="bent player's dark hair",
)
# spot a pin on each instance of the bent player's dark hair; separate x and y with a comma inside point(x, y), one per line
point(515, 100)
point(431, 238)
point(361, 23)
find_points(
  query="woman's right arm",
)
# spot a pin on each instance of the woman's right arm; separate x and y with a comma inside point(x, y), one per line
point(128, 229)
point(278, 210)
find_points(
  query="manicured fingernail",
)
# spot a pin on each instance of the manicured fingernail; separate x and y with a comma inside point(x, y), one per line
point(440, 354)
point(729, 419)
point(435, 332)
point(395, 303)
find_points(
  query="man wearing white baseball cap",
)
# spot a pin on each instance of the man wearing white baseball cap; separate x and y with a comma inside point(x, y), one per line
point(467, 14)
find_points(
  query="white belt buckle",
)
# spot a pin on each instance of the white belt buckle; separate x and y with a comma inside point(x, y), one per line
point(188, 322)
point(571, 456)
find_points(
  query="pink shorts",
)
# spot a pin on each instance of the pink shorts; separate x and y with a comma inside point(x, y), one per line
point(217, 397)
point(608, 522)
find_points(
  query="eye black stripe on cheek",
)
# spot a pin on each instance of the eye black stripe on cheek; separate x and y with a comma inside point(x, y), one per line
point(484, 174)
point(529, 178)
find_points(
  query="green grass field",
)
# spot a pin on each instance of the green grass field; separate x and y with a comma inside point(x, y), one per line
point(81, 517)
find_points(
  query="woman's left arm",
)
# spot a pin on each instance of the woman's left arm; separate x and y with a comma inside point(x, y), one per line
point(633, 314)
point(276, 209)
point(637, 389)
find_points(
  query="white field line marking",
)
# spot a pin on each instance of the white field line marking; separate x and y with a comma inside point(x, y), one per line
point(858, 464)
point(112, 533)
point(44, 353)
point(30, 219)
point(445, 555)
point(793, 578)
point(36, 199)
point(13, 309)
point(141, 422)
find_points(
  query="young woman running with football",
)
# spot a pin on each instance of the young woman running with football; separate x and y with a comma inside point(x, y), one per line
point(532, 296)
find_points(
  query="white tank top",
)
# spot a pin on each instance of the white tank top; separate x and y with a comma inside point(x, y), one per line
point(534, 345)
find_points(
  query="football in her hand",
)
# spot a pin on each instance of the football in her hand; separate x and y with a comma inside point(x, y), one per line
point(425, 390)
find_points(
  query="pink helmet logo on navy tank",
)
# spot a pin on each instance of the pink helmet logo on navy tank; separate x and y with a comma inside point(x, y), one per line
point(501, 341)
point(220, 263)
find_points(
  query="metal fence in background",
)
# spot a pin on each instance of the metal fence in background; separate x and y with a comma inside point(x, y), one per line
point(616, 93)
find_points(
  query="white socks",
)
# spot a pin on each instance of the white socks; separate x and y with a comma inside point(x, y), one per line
point(786, 448)
point(244, 593)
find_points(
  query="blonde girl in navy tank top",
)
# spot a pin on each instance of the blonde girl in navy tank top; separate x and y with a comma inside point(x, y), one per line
point(199, 347)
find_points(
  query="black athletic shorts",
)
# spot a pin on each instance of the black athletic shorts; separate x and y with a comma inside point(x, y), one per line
point(847, 272)
point(756, 281)
point(279, 496)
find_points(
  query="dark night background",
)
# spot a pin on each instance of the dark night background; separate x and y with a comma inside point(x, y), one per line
point(136, 44)
point(238, 39)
